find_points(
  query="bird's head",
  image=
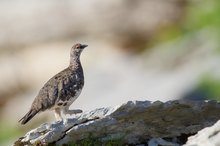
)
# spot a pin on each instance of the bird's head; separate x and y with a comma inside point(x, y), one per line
point(78, 48)
point(75, 53)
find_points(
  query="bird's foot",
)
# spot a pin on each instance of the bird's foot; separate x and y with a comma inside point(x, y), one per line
point(67, 121)
point(72, 112)
point(58, 121)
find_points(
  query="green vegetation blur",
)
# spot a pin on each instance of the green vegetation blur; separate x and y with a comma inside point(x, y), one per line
point(199, 16)
point(205, 15)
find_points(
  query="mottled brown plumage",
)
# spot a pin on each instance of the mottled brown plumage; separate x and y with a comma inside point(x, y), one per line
point(61, 90)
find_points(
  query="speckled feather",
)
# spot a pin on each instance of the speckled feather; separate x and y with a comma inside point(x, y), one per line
point(60, 89)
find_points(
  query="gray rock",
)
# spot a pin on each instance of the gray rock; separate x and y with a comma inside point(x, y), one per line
point(209, 136)
point(135, 122)
point(160, 141)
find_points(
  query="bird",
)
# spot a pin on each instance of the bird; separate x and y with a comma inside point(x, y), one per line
point(59, 92)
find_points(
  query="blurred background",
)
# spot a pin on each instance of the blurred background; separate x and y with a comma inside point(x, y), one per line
point(138, 50)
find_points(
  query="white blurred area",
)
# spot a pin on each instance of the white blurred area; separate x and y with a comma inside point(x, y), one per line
point(36, 38)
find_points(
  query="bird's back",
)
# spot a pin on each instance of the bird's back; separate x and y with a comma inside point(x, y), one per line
point(60, 89)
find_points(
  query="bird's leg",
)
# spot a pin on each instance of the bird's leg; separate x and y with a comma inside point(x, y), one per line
point(57, 113)
point(66, 111)
point(71, 112)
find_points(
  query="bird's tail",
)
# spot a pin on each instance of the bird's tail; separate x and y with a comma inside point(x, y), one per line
point(28, 116)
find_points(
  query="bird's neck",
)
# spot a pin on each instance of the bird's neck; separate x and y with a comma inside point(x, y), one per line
point(74, 61)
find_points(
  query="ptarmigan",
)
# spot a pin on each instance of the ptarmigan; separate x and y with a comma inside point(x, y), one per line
point(61, 90)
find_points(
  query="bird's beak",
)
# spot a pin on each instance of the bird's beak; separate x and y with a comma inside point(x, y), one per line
point(84, 46)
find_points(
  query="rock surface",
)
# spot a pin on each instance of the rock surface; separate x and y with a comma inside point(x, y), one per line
point(209, 136)
point(135, 122)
